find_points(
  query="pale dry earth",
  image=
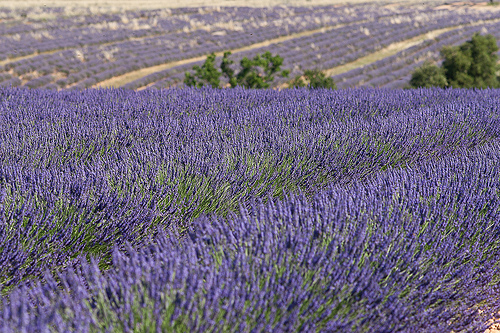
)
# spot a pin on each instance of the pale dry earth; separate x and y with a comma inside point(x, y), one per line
point(133, 4)
point(119, 5)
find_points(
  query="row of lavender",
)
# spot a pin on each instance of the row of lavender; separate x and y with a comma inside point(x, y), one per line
point(394, 194)
point(334, 48)
point(104, 36)
point(22, 21)
point(86, 66)
point(27, 36)
point(90, 57)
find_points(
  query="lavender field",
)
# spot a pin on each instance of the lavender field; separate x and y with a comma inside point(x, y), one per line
point(233, 210)
point(76, 48)
point(132, 203)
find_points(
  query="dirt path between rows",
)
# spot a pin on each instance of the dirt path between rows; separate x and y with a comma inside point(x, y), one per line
point(388, 51)
point(121, 80)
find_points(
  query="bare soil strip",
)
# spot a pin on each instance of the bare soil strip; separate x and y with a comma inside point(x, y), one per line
point(388, 51)
point(121, 80)
point(114, 5)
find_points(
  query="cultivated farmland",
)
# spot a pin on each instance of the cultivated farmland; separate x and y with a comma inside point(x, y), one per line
point(145, 209)
point(359, 45)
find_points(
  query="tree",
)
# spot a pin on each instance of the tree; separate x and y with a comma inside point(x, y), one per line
point(429, 75)
point(206, 73)
point(226, 70)
point(470, 65)
point(248, 77)
point(316, 79)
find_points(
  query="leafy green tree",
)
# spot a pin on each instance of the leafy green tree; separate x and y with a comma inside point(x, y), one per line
point(207, 73)
point(248, 77)
point(227, 71)
point(316, 79)
point(429, 75)
point(470, 65)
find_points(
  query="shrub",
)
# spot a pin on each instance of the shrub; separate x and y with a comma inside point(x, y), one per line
point(249, 76)
point(470, 65)
point(316, 79)
point(427, 76)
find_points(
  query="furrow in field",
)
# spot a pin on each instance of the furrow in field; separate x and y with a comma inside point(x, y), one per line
point(390, 50)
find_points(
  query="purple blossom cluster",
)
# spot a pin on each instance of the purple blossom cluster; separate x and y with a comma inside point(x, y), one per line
point(249, 210)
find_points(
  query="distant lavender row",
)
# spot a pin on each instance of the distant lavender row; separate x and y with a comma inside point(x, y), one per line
point(322, 50)
point(402, 235)
point(28, 19)
point(90, 64)
point(106, 28)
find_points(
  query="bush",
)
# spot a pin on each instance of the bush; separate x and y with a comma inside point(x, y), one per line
point(248, 77)
point(427, 76)
point(316, 79)
point(470, 65)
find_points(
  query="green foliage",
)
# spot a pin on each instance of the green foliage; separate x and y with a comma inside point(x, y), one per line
point(207, 73)
point(429, 75)
point(248, 77)
point(316, 79)
point(470, 65)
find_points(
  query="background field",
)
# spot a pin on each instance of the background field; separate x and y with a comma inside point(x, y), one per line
point(362, 44)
